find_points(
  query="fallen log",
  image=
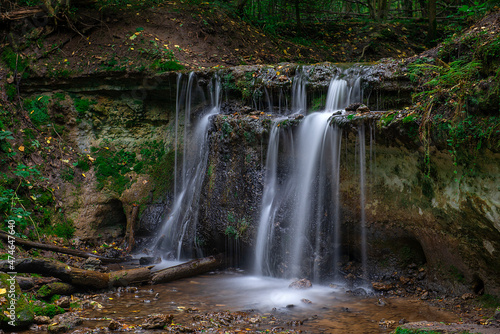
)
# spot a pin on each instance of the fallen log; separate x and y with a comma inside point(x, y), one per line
point(20, 14)
point(92, 279)
point(53, 268)
point(57, 249)
point(188, 269)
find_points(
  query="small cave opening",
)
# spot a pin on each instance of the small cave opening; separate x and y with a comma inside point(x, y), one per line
point(477, 285)
point(111, 219)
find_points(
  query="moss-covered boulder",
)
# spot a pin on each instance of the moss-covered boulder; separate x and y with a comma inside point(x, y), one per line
point(15, 311)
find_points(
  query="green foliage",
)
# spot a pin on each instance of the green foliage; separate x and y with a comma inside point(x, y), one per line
point(111, 166)
point(37, 109)
point(11, 91)
point(160, 65)
point(48, 310)
point(83, 105)
point(227, 129)
point(236, 228)
point(387, 118)
point(5, 146)
point(14, 61)
point(228, 83)
point(400, 330)
point(83, 164)
point(489, 301)
point(64, 229)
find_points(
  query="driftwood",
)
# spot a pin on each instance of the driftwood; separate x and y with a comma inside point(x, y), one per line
point(188, 269)
point(57, 249)
point(97, 280)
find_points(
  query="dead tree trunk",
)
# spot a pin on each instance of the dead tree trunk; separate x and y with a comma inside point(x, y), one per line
point(188, 269)
point(97, 280)
point(57, 249)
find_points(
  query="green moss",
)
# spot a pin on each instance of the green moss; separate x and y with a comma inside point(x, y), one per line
point(65, 229)
point(37, 109)
point(111, 167)
point(400, 330)
point(14, 61)
point(163, 172)
point(164, 66)
point(83, 105)
point(386, 119)
point(44, 291)
point(83, 164)
point(48, 310)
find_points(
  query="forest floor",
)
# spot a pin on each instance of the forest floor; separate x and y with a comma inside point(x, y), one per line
point(137, 40)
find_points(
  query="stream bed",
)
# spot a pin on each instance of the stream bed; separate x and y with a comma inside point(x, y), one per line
point(234, 302)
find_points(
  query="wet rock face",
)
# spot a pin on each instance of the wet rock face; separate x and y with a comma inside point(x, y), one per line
point(229, 203)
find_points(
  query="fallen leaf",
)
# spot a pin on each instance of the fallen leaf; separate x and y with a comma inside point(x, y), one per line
point(21, 148)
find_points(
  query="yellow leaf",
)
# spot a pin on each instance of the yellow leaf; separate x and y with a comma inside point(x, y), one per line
point(48, 141)
point(2, 291)
point(21, 148)
point(277, 73)
point(83, 175)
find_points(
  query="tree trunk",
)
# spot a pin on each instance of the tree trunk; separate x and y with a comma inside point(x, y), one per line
point(57, 249)
point(431, 36)
point(130, 229)
point(52, 268)
point(97, 280)
point(297, 16)
point(191, 268)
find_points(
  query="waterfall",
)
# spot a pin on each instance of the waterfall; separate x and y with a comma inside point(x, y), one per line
point(299, 93)
point(177, 236)
point(299, 231)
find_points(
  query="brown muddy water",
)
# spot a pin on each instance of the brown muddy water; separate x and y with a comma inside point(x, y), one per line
point(270, 303)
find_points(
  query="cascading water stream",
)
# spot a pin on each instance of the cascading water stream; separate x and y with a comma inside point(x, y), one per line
point(174, 234)
point(299, 92)
point(299, 232)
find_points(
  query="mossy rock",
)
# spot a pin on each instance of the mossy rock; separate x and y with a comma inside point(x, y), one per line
point(51, 289)
point(24, 316)
point(48, 310)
